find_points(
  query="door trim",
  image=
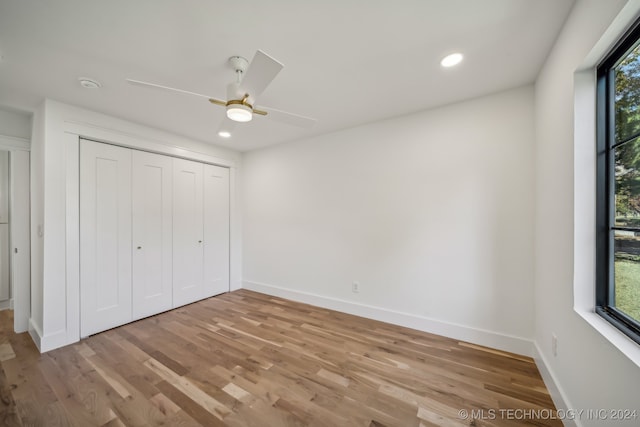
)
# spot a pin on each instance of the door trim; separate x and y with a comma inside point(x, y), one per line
point(19, 151)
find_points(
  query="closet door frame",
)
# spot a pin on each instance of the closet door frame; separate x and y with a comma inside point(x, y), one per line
point(173, 164)
point(68, 126)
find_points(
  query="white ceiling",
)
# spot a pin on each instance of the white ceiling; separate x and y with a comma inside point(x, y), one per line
point(347, 62)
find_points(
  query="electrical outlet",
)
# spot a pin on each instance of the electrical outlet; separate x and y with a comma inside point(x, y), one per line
point(355, 287)
point(554, 344)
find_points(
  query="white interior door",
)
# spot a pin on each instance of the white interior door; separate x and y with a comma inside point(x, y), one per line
point(5, 283)
point(187, 232)
point(20, 240)
point(105, 236)
point(4, 262)
point(152, 236)
point(216, 230)
point(4, 187)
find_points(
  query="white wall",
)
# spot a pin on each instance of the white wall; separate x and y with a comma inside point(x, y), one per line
point(15, 123)
point(55, 273)
point(589, 371)
point(431, 213)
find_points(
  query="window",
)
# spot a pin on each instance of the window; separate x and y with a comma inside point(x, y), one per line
point(618, 186)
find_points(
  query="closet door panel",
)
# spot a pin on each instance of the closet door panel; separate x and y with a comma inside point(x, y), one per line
point(216, 230)
point(187, 232)
point(152, 233)
point(105, 236)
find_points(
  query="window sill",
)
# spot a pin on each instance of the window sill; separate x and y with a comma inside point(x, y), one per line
point(619, 340)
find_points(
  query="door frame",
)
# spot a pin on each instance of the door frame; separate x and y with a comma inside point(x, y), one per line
point(20, 237)
point(57, 128)
point(74, 134)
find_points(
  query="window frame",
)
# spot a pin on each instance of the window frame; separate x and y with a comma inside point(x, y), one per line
point(605, 190)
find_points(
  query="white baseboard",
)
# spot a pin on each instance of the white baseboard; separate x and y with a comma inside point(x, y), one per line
point(56, 340)
point(555, 390)
point(513, 344)
point(235, 285)
point(36, 334)
point(5, 305)
point(48, 342)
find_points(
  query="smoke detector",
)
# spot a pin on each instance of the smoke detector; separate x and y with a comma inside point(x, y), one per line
point(88, 83)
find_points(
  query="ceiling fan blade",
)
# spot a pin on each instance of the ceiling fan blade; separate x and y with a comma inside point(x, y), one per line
point(289, 118)
point(262, 70)
point(171, 89)
point(217, 102)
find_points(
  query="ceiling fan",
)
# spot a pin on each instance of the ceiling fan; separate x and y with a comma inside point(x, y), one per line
point(251, 80)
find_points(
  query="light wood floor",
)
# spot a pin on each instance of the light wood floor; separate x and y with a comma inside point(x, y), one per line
point(247, 359)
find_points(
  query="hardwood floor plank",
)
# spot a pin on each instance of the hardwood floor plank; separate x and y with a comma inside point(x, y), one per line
point(187, 387)
point(6, 352)
point(84, 400)
point(249, 359)
point(8, 411)
point(197, 412)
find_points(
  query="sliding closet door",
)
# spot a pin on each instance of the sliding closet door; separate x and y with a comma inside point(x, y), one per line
point(187, 232)
point(216, 230)
point(152, 235)
point(105, 236)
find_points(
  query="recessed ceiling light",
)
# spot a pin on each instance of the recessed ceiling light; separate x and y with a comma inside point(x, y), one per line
point(224, 134)
point(451, 60)
point(88, 83)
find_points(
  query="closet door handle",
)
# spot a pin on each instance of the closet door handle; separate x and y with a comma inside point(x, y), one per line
point(139, 247)
point(199, 241)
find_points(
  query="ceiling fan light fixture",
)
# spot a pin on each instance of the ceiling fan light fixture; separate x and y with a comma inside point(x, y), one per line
point(239, 112)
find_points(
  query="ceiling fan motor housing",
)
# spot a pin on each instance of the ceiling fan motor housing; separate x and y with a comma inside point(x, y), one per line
point(234, 91)
point(239, 64)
